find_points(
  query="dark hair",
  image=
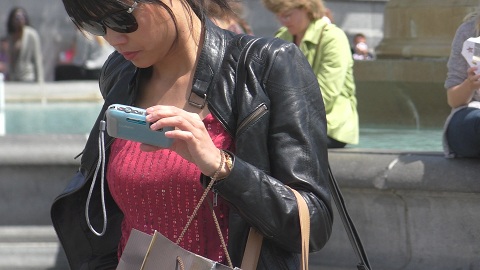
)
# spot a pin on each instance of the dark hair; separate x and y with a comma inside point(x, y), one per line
point(357, 36)
point(11, 19)
point(235, 12)
point(84, 10)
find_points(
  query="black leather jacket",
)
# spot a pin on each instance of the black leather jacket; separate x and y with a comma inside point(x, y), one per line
point(277, 120)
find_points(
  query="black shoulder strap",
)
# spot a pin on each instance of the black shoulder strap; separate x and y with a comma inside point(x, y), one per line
point(352, 233)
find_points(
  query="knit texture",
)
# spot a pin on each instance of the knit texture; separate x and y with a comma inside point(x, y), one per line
point(159, 190)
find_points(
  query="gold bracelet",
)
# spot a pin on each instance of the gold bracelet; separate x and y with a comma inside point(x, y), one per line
point(228, 160)
point(222, 162)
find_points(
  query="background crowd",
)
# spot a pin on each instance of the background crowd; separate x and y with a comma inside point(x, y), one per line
point(21, 54)
point(82, 55)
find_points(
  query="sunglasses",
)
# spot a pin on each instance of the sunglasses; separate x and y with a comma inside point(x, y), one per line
point(121, 21)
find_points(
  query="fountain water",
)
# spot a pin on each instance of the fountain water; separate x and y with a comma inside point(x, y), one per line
point(403, 87)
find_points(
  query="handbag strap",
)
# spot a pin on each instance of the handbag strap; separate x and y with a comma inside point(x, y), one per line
point(304, 216)
point(352, 233)
point(243, 56)
point(252, 250)
point(197, 207)
point(254, 242)
point(255, 239)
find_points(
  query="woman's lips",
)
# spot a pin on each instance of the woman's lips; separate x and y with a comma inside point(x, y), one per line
point(129, 55)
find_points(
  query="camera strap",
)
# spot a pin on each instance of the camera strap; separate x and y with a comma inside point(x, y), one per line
point(100, 168)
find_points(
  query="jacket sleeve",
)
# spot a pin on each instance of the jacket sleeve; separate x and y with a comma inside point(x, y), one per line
point(457, 65)
point(291, 134)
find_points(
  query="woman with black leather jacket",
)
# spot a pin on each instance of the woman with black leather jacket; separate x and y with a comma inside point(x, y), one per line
point(248, 115)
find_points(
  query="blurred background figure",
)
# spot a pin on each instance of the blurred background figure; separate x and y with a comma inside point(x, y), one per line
point(233, 21)
point(4, 57)
point(360, 50)
point(84, 59)
point(24, 46)
point(327, 49)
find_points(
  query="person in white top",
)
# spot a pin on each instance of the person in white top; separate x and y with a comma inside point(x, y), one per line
point(25, 54)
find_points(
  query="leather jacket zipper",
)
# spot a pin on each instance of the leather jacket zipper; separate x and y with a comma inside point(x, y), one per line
point(256, 114)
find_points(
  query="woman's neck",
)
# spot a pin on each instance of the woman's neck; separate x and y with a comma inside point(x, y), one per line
point(170, 84)
point(183, 56)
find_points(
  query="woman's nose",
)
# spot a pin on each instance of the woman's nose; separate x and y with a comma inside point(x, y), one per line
point(115, 38)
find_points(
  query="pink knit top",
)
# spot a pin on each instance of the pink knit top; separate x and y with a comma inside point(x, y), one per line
point(159, 190)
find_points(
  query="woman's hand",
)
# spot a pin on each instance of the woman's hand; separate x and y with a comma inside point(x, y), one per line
point(462, 94)
point(191, 138)
point(473, 78)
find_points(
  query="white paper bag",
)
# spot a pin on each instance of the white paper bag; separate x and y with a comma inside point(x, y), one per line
point(471, 52)
point(147, 252)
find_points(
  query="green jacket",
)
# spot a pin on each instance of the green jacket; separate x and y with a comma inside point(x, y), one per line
point(333, 65)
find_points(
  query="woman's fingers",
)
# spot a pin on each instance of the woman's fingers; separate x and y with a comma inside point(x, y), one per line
point(161, 116)
point(192, 140)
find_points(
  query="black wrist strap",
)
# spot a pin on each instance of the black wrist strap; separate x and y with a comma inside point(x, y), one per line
point(352, 233)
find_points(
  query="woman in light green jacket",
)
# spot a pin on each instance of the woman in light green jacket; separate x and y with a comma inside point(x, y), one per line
point(328, 50)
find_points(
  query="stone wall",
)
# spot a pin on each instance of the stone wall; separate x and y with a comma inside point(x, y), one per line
point(421, 28)
point(413, 211)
